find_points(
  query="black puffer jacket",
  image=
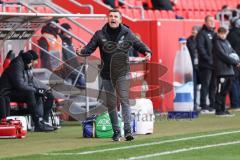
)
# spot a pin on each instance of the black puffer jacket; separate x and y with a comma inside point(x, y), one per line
point(123, 42)
point(204, 47)
point(15, 77)
point(234, 39)
point(222, 61)
point(192, 47)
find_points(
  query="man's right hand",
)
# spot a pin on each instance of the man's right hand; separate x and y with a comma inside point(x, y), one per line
point(238, 66)
point(78, 51)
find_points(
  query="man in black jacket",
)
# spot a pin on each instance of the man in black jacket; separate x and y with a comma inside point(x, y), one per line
point(234, 39)
point(14, 83)
point(206, 69)
point(114, 40)
point(224, 63)
point(192, 47)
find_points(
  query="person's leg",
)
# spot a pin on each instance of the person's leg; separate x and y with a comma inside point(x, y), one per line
point(48, 104)
point(3, 113)
point(223, 85)
point(195, 89)
point(111, 103)
point(29, 98)
point(234, 93)
point(7, 105)
point(35, 107)
point(122, 88)
point(205, 79)
point(225, 90)
point(212, 90)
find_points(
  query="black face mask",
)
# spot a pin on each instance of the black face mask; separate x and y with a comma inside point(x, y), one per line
point(66, 39)
point(26, 67)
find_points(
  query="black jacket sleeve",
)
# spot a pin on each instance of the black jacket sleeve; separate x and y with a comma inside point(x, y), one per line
point(91, 46)
point(43, 43)
point(139, 45)
point(17, 78)
point(223, 56)
point(202, 48)
point(233, 39)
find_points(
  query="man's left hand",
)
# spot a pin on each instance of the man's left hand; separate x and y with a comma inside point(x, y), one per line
point(148, 56)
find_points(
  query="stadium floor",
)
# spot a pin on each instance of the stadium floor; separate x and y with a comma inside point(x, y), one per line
point(209, 137)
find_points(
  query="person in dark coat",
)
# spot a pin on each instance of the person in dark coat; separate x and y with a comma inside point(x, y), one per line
point(47, 100)
point(206, 68)
point(163, 4)
point(234, 39)
point(4, 108)
point(14, 83)
point(223, 63)
point(70, 59)
point(114, 40)
point(192, 47)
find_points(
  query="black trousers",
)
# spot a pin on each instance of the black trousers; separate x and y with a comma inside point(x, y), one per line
point(4, 106)
point(208, 87)
point(223, 87)
point(38, 107)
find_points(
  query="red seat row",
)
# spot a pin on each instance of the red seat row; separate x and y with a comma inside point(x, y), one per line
point(162, 14)
point(204, 5)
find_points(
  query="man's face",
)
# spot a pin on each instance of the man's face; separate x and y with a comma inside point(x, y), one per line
point(114, 19)
point(210, 22)
point(194, 32)
point(222, 35)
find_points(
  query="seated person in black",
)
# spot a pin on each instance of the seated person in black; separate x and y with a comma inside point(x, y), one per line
point(14, 83)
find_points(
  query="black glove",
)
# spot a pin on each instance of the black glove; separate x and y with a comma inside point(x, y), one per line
point(40, 91)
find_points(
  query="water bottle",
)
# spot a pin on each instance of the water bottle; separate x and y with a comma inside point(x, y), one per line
point(183, 79)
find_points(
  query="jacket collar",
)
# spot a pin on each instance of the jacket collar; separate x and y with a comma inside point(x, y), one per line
point(123, 31)
point(207, 28)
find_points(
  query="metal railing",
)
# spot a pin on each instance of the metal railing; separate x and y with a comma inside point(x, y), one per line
point(83, 5)
point(134, 7)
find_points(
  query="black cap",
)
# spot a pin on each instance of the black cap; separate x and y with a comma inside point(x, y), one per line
point(66, 26)
point(27, 58)
point(33, 53)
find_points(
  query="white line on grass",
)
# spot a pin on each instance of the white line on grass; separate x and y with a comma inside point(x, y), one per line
point(183, 150)
point(145, 144)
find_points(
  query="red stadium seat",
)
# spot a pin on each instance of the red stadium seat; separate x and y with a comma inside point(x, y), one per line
point(196, 5)
point(187, 5)
point(138, 3)
point(178, 6)
point(202, 6)
point(171, 14)
point(137, 13)
point(151, 14)
point(190, 15)
point(164, 14)
point(157, 14)
point(12, 8)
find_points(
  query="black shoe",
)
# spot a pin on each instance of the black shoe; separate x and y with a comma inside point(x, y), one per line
point(207, 110)
point(116, 136)
point(229, 114)
point(42, 127)
point(223, 114)
point(48, 124)
point(128, 136)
